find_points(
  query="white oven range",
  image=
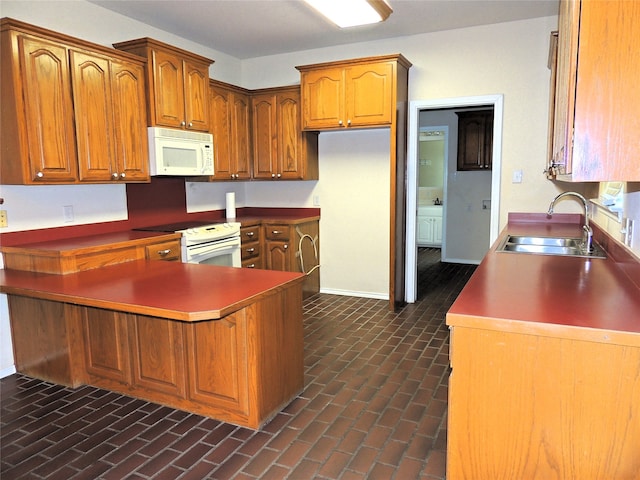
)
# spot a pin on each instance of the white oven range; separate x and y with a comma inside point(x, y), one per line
point(207, 243)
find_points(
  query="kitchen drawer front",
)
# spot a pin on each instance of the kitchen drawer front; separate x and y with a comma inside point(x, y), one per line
point(251, 250)
point(250, 234)
point(169, 251)
point(276, 232)
point(253, 262)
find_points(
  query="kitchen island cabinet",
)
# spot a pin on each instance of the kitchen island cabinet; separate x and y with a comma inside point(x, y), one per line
point(545, 366)
point(217, 341)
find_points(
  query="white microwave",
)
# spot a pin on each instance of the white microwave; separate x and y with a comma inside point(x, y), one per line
point(178, 152)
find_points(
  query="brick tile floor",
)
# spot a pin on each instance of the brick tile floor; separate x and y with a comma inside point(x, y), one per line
point(374, 407)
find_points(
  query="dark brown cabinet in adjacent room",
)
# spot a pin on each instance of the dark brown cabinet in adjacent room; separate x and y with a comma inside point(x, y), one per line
point(475, 139)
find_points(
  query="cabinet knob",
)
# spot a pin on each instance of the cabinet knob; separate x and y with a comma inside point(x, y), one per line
point(123, 175)
point(114, 175)
point(273, 175)
point(349, 122)
point(183, 123)
point(251, 250)
point(251, 265)
point(164, 253)
point(340, 122)
point(190, 124)
point(279, 175)
point(276, 232)
point(39, 174)
point(250, 234)
point(285, 246)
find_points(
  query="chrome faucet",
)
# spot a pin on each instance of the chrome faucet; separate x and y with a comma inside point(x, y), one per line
point(587, 235)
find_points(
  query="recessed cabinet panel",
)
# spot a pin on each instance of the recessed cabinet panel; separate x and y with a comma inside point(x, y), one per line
point(157, 347)
point(218, 371)
point(169, 88)
point(475, 140)
point(368, 94)
point(196, 94)
point(106, 344)
point(95, 129)
point(48, 109)
point(322, 93)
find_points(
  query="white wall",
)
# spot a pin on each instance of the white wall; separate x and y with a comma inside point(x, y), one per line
point(507, 59)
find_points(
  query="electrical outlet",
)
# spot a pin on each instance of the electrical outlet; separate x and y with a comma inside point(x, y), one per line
point(4, 223)
point(67, 212)
point(316, 200)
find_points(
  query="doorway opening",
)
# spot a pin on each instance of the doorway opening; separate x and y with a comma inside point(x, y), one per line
point(420, 108)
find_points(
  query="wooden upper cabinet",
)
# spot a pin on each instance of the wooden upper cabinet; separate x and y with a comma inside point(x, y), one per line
point(281, 150)
point(357, 93)
point(230, 126)
point(177, 83)
point(597, 96)
point(68, 115)
point(38, 139)
point(475, 139)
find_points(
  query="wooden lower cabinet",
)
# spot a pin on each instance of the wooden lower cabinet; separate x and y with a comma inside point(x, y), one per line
point(542, 407)
point(242, 368)
point(218, 371)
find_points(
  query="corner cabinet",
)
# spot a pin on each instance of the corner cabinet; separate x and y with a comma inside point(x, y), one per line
point(177, 82)
point(230, 114)
point(281, 150)
point(72, 111)
point(597, 98)
point(350, 94)
point(475, 140)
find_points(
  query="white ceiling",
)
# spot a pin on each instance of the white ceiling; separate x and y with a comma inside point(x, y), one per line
point(254, 28)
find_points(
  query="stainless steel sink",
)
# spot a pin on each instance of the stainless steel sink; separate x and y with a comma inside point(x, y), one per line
point(549, 246)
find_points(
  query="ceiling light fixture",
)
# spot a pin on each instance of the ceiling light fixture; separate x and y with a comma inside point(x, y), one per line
point(351, 13)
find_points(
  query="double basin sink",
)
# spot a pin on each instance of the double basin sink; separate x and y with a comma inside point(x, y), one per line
point(565, 246)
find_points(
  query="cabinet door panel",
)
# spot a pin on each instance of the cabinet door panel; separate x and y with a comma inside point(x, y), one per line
point(158, 355)
point(241, 138)
point(106, 346)
point(290, 156)
point(368, 94)
point(264, 136)
point(218, 373)
point(130, 122)
point(221, 127)
point(48, 110)
point(196, 93)
point(94, 116)
point(323, 98)
point(277, 256)
point(169, 90)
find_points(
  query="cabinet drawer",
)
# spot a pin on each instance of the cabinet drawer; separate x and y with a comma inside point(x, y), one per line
point(169, 251)
point(253, 262)
point(251, 250)
point(276, 232)
point(250, 234)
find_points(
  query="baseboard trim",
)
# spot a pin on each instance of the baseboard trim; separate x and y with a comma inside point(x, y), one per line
point(349, 293)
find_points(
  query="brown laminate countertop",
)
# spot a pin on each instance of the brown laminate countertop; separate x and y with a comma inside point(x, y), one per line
point(568, 297)
point(174, 290)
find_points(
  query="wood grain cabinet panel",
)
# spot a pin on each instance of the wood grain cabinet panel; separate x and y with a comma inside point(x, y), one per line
point(38, 95)
point(596, 93)
point(529, 406)
point(281, 150)
point(475, 140)
point(158, 360)
point(357, 93)
point(106, 343)
point(230, 125)
point(79, 106)
point(218, 368)
point(177, 82)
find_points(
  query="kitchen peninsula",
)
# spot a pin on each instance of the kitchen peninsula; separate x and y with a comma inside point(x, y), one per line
point(217, 341)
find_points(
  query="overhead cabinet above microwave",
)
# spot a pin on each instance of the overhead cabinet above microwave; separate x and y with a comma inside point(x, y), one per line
point(72, 111)
point(178, 84)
